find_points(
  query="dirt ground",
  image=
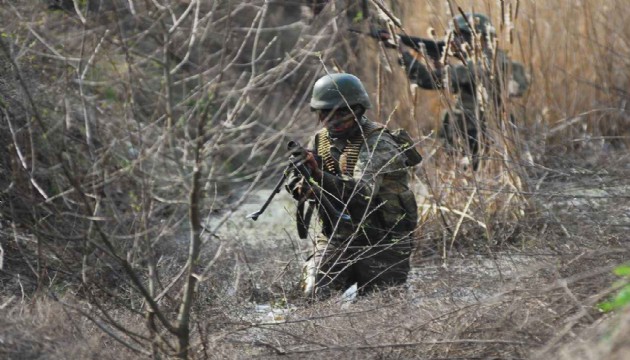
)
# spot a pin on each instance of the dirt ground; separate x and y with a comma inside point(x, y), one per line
point(534, 297)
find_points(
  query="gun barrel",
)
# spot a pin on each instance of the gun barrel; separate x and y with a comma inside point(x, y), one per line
point(254, 216)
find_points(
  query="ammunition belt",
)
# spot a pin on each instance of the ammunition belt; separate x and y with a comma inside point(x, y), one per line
point(350, 155)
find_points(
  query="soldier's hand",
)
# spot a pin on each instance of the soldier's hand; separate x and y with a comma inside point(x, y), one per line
point(298, 165)
point(388, 40)
point(294, 184)
point(304, 163)
point(383, 35)
point(310, 161)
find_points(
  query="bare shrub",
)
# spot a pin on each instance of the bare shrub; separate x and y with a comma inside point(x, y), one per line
point(127, 149)
point(157, 118)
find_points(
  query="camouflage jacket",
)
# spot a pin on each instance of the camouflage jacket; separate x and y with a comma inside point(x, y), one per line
point(373, 189)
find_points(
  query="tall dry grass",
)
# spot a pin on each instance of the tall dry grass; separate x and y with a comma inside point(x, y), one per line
point(576, 56)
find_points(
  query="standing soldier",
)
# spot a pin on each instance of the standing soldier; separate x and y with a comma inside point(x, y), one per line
point(481, 76)
point(358, 165)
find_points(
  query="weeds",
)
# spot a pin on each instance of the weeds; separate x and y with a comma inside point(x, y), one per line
point(622, 298)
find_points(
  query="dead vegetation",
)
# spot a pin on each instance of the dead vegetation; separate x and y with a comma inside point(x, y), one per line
point(133, 131)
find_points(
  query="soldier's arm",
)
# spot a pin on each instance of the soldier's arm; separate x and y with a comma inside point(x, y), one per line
point(420, 74)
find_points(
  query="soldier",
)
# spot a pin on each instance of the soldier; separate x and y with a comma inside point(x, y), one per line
point(363, 173)
point(478, 75)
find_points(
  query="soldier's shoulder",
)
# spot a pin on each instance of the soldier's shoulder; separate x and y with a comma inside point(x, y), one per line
point(380, 136)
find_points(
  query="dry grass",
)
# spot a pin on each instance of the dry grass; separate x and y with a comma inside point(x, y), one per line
point(43, 329)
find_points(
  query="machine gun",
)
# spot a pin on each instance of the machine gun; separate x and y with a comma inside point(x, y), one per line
point(298, 152)
point(433, 49)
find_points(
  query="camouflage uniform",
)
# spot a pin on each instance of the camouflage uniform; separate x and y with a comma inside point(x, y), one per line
point(374, 247)
point(479, 84)
point(365, 175)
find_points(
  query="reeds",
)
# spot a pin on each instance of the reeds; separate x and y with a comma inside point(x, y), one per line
point(574, 57)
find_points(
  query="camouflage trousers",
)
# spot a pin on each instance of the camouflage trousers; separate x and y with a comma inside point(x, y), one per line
point(461, 131)
point(337, 265)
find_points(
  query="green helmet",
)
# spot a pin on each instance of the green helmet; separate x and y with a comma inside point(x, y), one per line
point(338, 90)
point(481, 23)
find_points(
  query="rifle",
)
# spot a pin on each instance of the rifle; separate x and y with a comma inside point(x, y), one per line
point(433, 49)
point(254, 216)
point(320, 197)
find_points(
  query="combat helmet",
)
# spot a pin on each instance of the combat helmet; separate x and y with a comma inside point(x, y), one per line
point(481, 23)
point(339, 90)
